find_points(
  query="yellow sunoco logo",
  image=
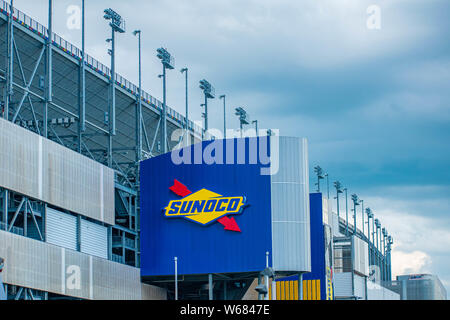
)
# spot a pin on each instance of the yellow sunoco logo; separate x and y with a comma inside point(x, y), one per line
point(204, 207)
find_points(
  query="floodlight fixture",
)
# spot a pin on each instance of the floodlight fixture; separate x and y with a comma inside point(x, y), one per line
point(320, 175)
point(338, 187)
point(208, 89)
point(166, 58)
point(244, 117)
point(369, 214)
point(117, 23)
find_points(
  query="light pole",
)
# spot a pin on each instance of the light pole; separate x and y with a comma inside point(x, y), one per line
point(117, 24)
point(10, 61)
point(223, 97)
point(244, 118)
point(82, 101)
point(186, 71)
point(390, 243)
point(319, 172)
point(377, 225)
point(168, 62)
point(384, 232)
point(362, 215)
point(49, 68)
point(209, 92)
point(338, 187)
point(369, 216)
point(139, 107)
point(373, 240)
point(328, 185)
point(346, 211)
point(176, 277)
point(355, 204)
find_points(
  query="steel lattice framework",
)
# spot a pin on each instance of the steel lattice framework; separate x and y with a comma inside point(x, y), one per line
point(46, 88)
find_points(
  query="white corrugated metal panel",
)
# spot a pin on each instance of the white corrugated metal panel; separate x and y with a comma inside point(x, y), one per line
point(325, 212)
point(335, 225)
point(61, 229)
point(361, 254)
point(290, 205)
point(44, 170)
point(45, 267)
point(360, 287)
point(94, 239)
point(149, 292)
point(343, 285)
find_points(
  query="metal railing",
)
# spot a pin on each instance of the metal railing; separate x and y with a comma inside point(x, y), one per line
point(94, 64)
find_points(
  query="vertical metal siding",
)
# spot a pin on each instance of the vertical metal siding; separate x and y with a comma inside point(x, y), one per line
point(361, 254)
point(343, 285)
point(44, 170)
point(290, 206)
point(42, 266)
point(61, 229)
point(94, 239)
point(360, 287)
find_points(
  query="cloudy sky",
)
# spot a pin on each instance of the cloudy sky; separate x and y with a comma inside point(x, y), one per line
point(374, 103)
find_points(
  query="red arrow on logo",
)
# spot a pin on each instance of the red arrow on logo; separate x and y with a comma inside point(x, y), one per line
point(181, 190)
point(229, 224)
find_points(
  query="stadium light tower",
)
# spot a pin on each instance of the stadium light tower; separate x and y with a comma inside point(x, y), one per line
point(384, 232)
point(168, 62)
point(355, 204)
point(82, 102)
point(390, 243)
point(224, 97)
point(378, 226)
point(210, 93)
point(328, 185)
point(244, 118)
point(369, 216)
point(186, 71)
point(362, 215)
point(117, 24)
point(373, 238)
point(320, 176)
point(346, 211)
point(139, 105)
point(338, 187)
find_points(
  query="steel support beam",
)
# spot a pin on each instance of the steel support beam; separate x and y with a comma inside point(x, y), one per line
point(35, 221)
point(49, 67)
point(164, 116)
point(156, 133)
point(28, 85)
point(19, 294)
point(10, 62)
point(16, 214)
point(82, 91)
point(139, 112)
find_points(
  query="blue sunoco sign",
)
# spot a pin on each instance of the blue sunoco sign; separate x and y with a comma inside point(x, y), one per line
point(214, 217)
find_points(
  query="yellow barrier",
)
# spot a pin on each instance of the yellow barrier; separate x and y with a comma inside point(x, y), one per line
point(288, 290)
